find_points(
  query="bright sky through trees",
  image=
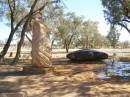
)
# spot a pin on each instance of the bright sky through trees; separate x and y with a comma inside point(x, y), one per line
point(90, 9)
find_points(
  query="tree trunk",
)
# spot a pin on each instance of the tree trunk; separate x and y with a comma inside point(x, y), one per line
point(66, 46)
point(87, 42)
point(29, 39)
point(16, 59)
point(52, 43)
point(20, 42)
point(23, 32)
point(67, 49)
point(7, 45)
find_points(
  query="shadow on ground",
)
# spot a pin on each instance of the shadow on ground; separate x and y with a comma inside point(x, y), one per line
point(43, 86)
point(82, 84)
point(19, 73)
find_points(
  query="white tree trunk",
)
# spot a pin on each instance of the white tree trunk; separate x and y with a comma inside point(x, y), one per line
point(41, 48)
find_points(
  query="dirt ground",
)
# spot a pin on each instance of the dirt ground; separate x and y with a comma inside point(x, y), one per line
point(69, 80)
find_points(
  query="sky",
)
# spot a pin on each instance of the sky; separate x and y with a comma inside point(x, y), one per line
point(4, 31)
point(89, 9)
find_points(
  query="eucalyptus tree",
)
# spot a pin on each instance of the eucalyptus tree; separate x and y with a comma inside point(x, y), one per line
point(117, 12)
point(89, 28)
point(10, 9)
point(97, 40)
point(20, 13)
point(113, 36)
point(68, 29)
point(105, 42)
point(53, 21)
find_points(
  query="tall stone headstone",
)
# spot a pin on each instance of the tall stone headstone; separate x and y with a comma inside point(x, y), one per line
point(41, 48)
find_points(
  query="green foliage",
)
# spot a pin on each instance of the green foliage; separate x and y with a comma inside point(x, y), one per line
point(117, 12)
point(73, 32)
point(90, 36)
point(113, 37)
point(68, 29)
point(109, 73)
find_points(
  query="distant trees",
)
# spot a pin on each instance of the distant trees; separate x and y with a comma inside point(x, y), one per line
point(68, 29)
point(113, 37)
point(1, 43)
point(90, 34)
point(124, 44)
point(73, 32)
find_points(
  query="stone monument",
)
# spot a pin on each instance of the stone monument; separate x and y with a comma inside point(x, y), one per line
point(41, 48)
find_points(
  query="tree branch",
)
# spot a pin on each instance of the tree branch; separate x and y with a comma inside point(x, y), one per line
point(33, 13)
point(42, 7)
point(14, 5)
point(11, 15)
point(28, 38)
point(11, 10)
point(125, 20)
point(26, 16)
point(122, 25)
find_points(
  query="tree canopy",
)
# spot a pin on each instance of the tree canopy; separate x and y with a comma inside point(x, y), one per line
point(117, 12)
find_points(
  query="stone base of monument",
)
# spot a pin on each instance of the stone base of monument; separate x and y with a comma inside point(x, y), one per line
point(33, 69)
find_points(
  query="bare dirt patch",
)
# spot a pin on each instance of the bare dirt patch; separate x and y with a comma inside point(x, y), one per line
point(69, 80)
